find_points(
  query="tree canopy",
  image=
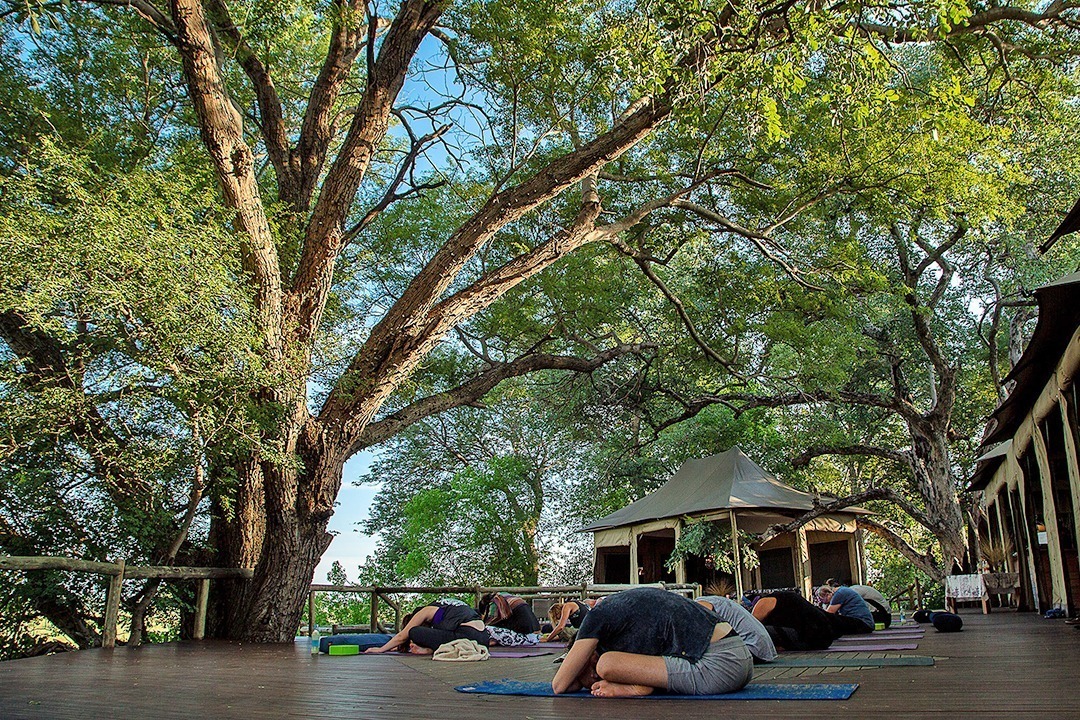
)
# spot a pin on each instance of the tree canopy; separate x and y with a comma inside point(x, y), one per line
point(251, 239)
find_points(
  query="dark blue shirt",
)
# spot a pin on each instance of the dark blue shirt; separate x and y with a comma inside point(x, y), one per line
point(650, 621)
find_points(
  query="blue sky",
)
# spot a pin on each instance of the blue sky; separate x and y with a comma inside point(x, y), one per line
point(351, 546)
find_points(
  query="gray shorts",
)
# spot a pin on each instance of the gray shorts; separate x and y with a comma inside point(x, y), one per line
point(725, 667)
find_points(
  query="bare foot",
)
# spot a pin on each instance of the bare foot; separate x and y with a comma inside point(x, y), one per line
point(417, 650)
point(606, 688)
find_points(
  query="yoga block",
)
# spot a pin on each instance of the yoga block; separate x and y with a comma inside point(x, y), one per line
point(344, 650)
point(879, 626)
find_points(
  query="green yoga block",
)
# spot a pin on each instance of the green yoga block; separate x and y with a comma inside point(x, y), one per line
point(344, 650)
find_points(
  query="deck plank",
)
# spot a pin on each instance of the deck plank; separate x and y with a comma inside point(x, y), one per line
point(1005, 664)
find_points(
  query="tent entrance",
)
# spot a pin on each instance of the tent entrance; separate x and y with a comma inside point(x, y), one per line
point(777, 568)
point(654, 549)
point(612, 566)
point(831, 560)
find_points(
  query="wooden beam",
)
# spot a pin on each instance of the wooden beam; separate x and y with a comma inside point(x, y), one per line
point(112, 607)
point(47, 562)
point(1058, 591)
point(1072, 456)
point(187, 573)
point(1031, 540)
point(201, 601)
point(737, 552)
point(802, 562)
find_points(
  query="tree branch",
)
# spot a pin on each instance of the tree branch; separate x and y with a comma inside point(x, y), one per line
point(472, 391)
point(803, 459)
point(924, 561)
point(324, 237)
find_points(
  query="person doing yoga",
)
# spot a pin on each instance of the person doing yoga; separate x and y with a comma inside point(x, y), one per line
point(749, 627)
point(850, 613)
point(430, 626)
point(569, 613)
point(793, 622)
point(642, 640)
point(508, 611)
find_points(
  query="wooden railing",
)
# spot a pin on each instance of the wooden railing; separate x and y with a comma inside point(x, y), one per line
point(118, 571)
point(913, 593)
point(530, 592)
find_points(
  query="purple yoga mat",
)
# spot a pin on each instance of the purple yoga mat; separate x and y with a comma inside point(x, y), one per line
point(509, 653)
point(875, 647)
point(900, 631)
point(876, 638)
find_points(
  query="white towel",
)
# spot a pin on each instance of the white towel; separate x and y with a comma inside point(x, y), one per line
point(461, 650)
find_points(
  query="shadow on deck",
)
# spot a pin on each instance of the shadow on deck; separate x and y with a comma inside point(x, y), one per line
point(1002, 665)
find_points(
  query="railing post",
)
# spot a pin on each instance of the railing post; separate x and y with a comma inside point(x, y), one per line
point(311, 613)
point(200, 608)
point(918, 594)
point(112, 607)
point(584, 591)
point(374, 624)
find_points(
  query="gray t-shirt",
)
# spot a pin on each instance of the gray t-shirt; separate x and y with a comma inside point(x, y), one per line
point(749, 627)
point(868, 593)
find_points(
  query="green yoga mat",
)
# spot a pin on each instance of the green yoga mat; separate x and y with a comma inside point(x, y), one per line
point(911, 660)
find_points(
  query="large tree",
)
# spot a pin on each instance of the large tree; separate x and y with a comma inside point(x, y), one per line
point(550, 128)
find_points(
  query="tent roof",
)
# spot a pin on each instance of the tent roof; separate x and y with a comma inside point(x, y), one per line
point(1059, 316)
point(725, 480)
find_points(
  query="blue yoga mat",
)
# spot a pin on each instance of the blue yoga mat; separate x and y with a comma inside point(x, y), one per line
point(907, 660)
point(364, 640)
point(753, 691)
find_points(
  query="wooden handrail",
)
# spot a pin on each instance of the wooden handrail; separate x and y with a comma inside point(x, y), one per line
point(377, 593)
point(119, 571)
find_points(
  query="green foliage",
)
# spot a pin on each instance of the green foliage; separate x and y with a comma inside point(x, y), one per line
point(712, 541)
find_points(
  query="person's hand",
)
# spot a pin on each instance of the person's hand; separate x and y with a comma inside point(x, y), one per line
point(373, 651)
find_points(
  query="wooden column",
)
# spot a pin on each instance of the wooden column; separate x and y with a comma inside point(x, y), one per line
point(737, 553)
point(112, 607)
point(1069, 424)
point(853, 560)
point(201, 599)
point(860, 547)
point(680, 569)
point(310, 613)
point(635, 579)
point(1031, 540)
point(802, 563)
point(1003, 531)
point(1059, 596)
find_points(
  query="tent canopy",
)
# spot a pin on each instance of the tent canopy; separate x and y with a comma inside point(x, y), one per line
point(727, 480)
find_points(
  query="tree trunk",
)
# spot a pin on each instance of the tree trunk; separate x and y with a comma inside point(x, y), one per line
point(279, 529)
point(934, 479)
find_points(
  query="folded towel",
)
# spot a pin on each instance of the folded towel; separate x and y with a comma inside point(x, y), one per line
point(461, 650)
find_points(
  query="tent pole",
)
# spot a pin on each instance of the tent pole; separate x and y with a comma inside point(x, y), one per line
point(737, 553)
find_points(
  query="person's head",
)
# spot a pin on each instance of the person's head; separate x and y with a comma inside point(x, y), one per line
point(486, 607)
point(587, 677)
point(825, 593)
point(555, 612)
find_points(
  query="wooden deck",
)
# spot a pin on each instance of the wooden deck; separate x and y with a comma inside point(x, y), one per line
point(1002, 665)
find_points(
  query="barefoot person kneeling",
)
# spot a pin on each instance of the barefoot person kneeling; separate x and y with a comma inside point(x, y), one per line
point(647, 639)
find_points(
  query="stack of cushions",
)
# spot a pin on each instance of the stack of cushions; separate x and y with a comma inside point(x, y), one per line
point(943, 621)
point(946, 622)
